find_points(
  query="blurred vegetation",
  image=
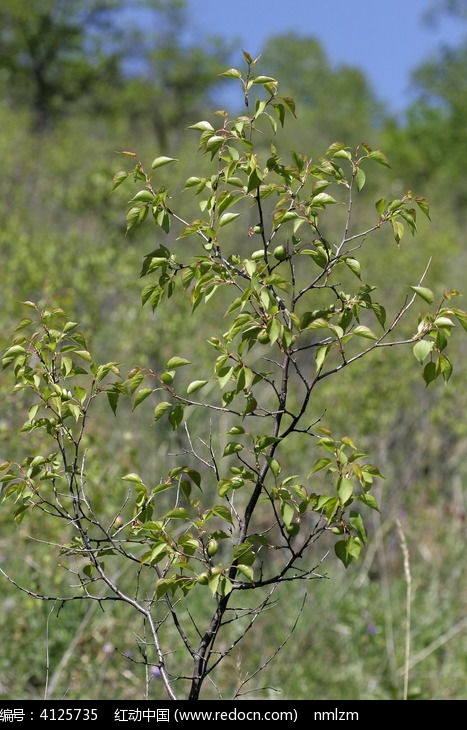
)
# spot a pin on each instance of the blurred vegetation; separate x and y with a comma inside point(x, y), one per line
point(82, 81)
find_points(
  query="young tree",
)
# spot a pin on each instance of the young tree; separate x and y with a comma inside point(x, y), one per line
point(272, 257)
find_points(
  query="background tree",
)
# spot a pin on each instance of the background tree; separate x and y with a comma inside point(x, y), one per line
point(307, 74)
point(57, 54)
point(54, 53)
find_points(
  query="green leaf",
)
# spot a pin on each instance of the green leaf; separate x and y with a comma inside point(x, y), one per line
point(75, 410)
point(213, 582)
point(380, 206)
point(444, 322)
point(362, 331)
point(224, 375)
point(369, 500)
point(215, 142)
point(422, 349)
point(14, 351)
point(319, 255)
point(287, 512)
point(227, 218)
point(263, 80)
point(424, 206)
point(132, 477)
point(343, 154)
point(235, 430)
point(192, 182)
point(176, 416)
point(161, 409)
point(247, 570)
point(194, 475)
point(118, 178)
point(135, 215)
point(160, 161)
point(353, 265)
point(178, 513)
point(380, 157)
point(445, 367)
point(244, 554)
point(157, 553)
point(360, 178)
point(356, 521)
point(195, 385)
point(144, 196)
point(430, 372)
point(221, 511)
point(233, 447)
point(231, 73)
point(168, 377)
point(354, 547)
point(322, 199)
point(177, 362)
point(113, 397)
point(274, 330)
point(424, 293)
point(344, 489)
point(163, 586)
point(84, 354)
point(140, 396)
point(321, 354)
point(202, 126)
point(320, 464)
point(275, 466)
point(349, 549)
point(344, 556)
point(327, 505)
point(461, 317)
point(380, 313)
point(163, 487)
point(397, 229)
point(264, 442)
point(224, 486)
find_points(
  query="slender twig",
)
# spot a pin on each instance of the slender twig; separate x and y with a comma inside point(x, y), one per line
point(267, 661)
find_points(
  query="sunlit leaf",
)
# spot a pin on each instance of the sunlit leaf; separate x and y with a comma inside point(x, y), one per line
point(246, 570)
point(423, 292)
point(178, 513)
point(227, 218)
point(195, 385)
point(232, 73)
point(422, 349)
point(202, 126)
point(360, 178)
point(161, 409)
point(132, 477)
point(160, 161)
point(177, 362)
point(141, 395)
point(233, 447)
point(369, 500)
point(344, 489)
point(380, 157)
point(287, 512)
point(397, 229)
point(363, 331)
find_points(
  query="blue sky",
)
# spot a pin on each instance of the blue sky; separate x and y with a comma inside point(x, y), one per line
point(386, 39)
